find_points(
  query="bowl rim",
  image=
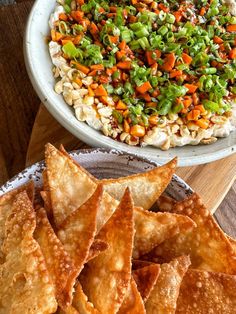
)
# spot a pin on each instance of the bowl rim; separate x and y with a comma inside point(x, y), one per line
point(97, 139)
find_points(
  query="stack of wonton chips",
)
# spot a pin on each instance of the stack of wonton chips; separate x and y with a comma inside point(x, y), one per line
point(94, 246)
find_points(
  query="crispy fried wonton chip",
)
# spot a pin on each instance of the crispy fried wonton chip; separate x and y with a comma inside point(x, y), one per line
point(207, 245)
point(97, 247)
point(68, 310)
point(163, 297)
point(61, 268)
point(6, 202)
point(78, 230)
point(204, 292)
point(133, 303)
point(146, 278)
point(151, 229)
point(81, 303)
point(25, 285)
point(165, 203)
point(145, 187)
point(106, 277)
point(71, 186)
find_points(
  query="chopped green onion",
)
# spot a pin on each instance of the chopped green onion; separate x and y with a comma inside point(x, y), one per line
point(118, 116)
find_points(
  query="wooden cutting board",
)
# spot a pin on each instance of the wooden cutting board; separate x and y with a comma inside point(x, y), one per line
point(212, 181)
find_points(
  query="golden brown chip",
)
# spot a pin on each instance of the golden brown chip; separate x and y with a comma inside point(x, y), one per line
point(106, 277)
point(136, 264)
point(205, 292)
point(146, 278)
point(163, 297)
point(45, 194)
point(78, 230)
point(81, 303)
point(96, 248)
point(207, 245)
point(6, 202)
point(165, 203)
point(25, 285)
point(61, 268)
point(68, 310)
point(145, 187)
point(133, 303)
point(151, 229)
point(71, 186)
point(232, 242)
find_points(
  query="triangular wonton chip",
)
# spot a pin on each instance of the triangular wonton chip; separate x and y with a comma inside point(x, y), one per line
point(205, 292)
point(78, 230)
point(163, 298)
point(207, 245)
point(151, 229)
point(61, 268)
point(106, 277)
point(97, 247)
point(145, 187)
point(71, 186)
point(81, 303)
point(165, 203)
point(25, 285)
point(146, 278)
point(6, 202)
point(133, 303)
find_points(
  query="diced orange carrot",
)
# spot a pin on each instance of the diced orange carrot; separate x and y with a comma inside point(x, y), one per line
point(202, 11)
point(78, 81)
point(132, 19)
point(232, 53)
point(93, 29)
point(80, 2)
point(124, 65)
point(137, 130)
point(97, 67)
point(169, 62)
point(186, 58)
point(155, 93)
point(63, 17)
point(146, 97)
point(77, 39)
point(149, 56)
point(114, 39)
point(90, 91)
point(203, 123)
point(231, 28)
point(174, 73)
point(200, 107)
point(144, 87)
point(151, 104)
point(100, 91)
point(178, 16)
point(124, 76)
point(162, 7)
point(105, 100)
point(126, 126)
point(120, 54)
point(122, 45)
point(191, 88)
point(77, 15)
point(101, 10)
point(65, 41)
point(193, 115)
point(56, 36)
point(217, 40)
point(121, 105)
point(153, 119)
point(93, 73)
point(80, 67)
point(187, 101)
point(94, 85)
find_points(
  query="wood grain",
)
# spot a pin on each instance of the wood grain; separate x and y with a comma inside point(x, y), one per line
point(18, 102)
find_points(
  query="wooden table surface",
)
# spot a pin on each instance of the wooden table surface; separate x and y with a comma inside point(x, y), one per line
point(19, 104)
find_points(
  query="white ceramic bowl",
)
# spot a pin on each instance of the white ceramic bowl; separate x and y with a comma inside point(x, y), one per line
point(39, 68)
